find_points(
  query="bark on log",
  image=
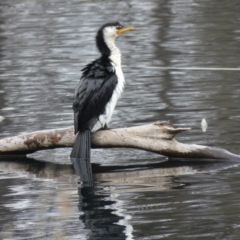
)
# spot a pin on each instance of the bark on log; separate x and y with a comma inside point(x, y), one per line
point(158, 137)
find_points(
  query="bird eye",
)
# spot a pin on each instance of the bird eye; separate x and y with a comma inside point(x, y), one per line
point(119, 27)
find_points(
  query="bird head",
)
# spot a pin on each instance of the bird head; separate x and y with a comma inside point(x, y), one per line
point(107, 34)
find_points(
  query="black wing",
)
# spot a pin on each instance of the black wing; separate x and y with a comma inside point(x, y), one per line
point(91, 96)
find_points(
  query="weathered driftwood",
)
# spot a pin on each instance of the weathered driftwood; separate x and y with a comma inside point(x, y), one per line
point(158, 137)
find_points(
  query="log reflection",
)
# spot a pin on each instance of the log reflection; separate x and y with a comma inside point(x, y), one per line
point(160, 175)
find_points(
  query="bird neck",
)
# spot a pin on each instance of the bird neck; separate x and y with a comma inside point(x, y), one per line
point(115, 54)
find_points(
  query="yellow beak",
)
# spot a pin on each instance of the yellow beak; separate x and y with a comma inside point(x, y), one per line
point(125, 29)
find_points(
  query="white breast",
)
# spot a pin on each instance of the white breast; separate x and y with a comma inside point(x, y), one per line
point(116, 93)
point(105, 118)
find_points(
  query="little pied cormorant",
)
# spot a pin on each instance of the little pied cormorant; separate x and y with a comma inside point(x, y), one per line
point(96, 95)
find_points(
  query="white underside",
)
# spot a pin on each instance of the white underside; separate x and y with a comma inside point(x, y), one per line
point(105, 118)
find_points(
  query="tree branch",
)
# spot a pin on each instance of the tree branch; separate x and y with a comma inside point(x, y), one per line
point(158, 137)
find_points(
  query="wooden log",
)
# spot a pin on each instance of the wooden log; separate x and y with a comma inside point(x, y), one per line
point(158, 137)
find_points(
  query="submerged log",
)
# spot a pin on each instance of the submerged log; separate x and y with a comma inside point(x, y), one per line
point(158, 137)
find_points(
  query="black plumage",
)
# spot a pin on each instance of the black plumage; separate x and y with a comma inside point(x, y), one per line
point(94, 91)
point(97, 84)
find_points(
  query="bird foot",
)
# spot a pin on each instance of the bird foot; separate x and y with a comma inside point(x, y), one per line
point(106, 128)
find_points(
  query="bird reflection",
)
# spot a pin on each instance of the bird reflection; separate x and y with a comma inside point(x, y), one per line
point(98, 215)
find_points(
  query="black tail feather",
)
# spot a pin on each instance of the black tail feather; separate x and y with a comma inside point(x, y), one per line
point(80, 157)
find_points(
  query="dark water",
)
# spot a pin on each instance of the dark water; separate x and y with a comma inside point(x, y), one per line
point(182, 63)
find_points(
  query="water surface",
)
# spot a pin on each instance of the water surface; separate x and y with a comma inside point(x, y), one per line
point(181, 64)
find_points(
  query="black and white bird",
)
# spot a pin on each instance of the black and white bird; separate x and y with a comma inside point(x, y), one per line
point(96, 95)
